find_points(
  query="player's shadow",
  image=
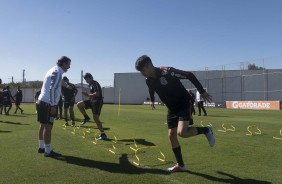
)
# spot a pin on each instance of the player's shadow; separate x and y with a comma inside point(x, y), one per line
point(123, 167)
point(18, 115)
point(13, 123)
point(5, 131)
point(138, 142)
point(232, 179)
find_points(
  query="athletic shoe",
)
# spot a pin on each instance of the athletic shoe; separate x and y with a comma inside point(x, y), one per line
point(66, 124)
point(41, 150)
point(85, 120)
point(210, 136)
point(73, 124)
point(52, 154)
point(102, 137)
point(176, 168)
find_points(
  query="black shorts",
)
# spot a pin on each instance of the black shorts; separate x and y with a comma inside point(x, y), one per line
point(43, 113)
point(7, 103)
point(68, 103)
point(18, 103)
point(95, 105)
point(181, 113)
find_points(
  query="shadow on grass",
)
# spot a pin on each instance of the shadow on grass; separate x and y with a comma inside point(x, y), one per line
point(138, 142)
point(13, 123)
point(5, 131)
point(216, 116)
point(18, 115)
point(232, 179)
point(123, 167)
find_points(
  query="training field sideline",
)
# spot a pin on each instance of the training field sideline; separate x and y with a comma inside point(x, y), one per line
point(236, 157)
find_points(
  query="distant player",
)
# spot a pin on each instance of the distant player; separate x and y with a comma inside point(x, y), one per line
point(200, 103)
point(193, 99)
point(59, 111)
point(94, 103)
point(7, 100)
point(165, 81)
point(19, 98)
point(47, 102)
point(69, 92)
point(1, 101)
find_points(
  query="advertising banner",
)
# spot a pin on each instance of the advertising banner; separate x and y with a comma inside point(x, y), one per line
point(254, 105)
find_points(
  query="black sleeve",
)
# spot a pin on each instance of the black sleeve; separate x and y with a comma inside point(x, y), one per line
point(187, 75)
point(151, 92)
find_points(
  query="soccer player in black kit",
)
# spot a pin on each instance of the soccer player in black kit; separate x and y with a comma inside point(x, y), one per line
point(19, 97)
point(7, 100)
point(165, 81)
point(95, 103)
point(69, 92)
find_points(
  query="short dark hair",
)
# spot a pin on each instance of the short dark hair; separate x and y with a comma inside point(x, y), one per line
point(62, 60)
point(87, 75)
point(65, 78)
point(142, 61)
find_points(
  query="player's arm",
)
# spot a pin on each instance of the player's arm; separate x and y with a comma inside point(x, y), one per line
point(54, 85)
point(11, 96)
point(152, 96)
point(75, 91)
point(180, 74)
point(96, 91)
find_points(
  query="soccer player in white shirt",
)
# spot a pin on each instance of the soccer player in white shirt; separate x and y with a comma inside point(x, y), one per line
point(47, 102)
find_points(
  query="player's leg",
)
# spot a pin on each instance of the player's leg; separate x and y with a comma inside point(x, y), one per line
point(20, 107)
point(96, 110)
point(199, 108)
point(72, 114)
point(172, 122)
point(185, 131)
point(204, 110)
point(61, 109)
point(42, 119)
point(10, 106)
point(66, 106)
point(17, 107)
point(82, 105)
point(1, 108)
point(47, 134)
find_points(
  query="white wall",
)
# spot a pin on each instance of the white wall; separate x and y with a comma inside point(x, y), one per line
point(132, 87)
point(29, 93)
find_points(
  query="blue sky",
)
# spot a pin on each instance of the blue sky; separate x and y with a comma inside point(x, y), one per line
point(104, 37)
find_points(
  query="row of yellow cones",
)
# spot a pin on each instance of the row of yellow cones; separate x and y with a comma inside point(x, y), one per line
point(228, 127)
point(114, 150)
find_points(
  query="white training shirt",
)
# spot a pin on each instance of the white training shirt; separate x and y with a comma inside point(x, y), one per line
point(51, 88)
point(199, 98)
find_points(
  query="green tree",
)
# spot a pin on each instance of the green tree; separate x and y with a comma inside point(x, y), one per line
point(254, 67)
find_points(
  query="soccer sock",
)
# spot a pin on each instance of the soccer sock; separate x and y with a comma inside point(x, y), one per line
point(86, 116)
point(47, 148)
point(202, 130)
point(178, 156)
point(41, 143)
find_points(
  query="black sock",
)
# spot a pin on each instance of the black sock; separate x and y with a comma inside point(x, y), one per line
point(202, 130)
point(86, 116)
point(178, 156)
point(103, 133)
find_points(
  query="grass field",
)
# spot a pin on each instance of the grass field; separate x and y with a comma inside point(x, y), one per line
point(236, 157)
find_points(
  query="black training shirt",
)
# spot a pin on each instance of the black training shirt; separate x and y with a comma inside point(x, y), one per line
point(168, 86)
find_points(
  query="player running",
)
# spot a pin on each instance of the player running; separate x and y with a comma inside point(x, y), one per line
point(165, 81)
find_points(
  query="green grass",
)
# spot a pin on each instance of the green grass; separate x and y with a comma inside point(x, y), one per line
point(236, 158)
